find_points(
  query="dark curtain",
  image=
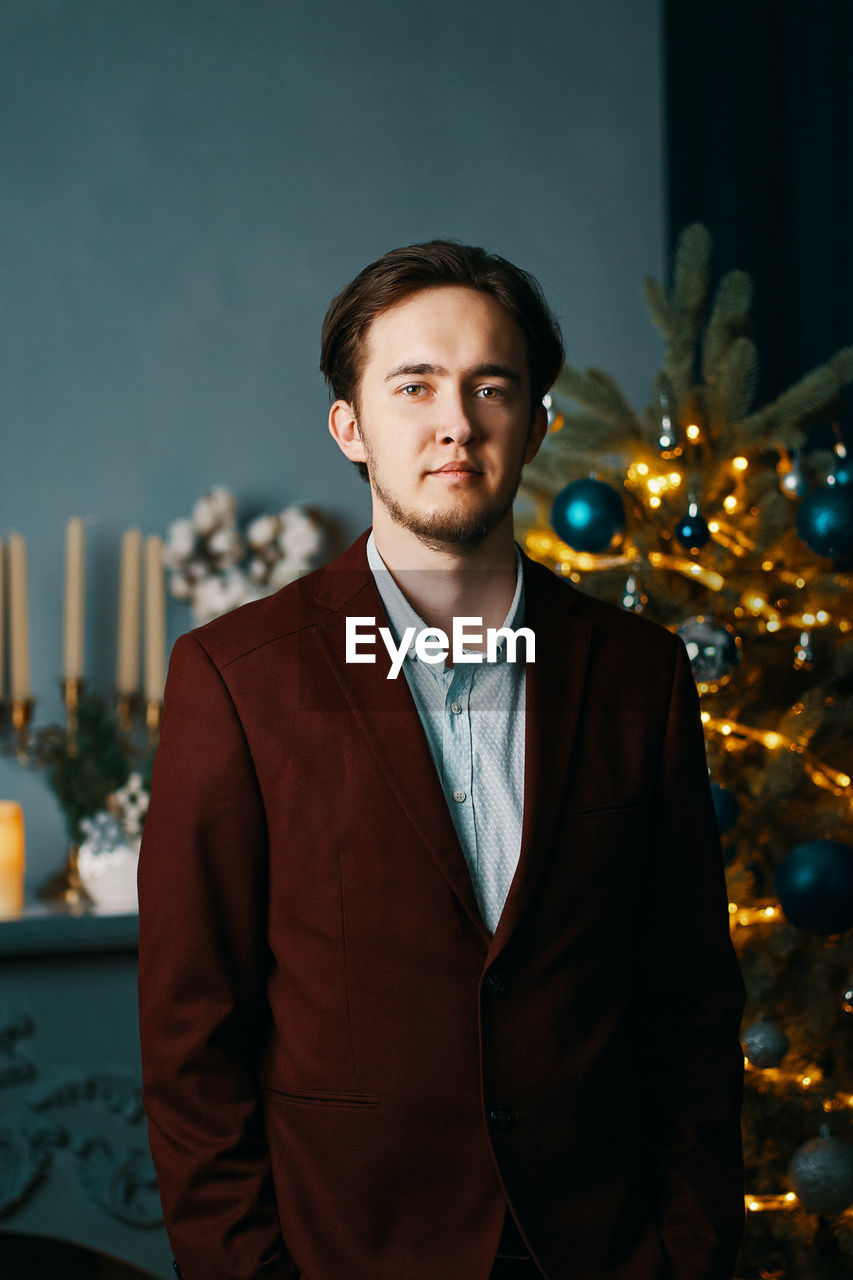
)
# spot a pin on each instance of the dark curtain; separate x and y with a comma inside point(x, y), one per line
point(760, 148)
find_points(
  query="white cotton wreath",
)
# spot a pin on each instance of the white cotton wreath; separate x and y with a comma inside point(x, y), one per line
point(215, 568)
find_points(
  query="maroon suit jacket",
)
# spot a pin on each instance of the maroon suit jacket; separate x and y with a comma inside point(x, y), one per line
point(346, 1077)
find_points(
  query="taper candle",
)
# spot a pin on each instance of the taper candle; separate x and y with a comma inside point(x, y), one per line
point(11, 858)
point(155, 619)
point(127, 661)
point(72, 664)
point(19, 626)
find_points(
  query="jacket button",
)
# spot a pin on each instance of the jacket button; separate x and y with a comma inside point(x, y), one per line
point(501, 1118)
point(496, 983)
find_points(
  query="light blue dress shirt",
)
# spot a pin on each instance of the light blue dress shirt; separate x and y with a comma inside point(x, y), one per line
point(473, 717)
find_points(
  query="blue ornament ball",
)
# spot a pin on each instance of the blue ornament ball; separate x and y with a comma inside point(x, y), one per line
point(692, 532)
point(588, 514)
point(821, 1174)
point(825, 520)
point(814, 885)
point(726, 807)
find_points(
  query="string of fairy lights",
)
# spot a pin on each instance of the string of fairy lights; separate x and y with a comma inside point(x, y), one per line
point(652, 486)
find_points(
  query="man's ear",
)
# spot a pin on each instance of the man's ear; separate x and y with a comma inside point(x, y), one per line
point(343, 426)
point(537, 433)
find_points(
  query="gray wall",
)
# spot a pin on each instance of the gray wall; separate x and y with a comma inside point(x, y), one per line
point(184, 184)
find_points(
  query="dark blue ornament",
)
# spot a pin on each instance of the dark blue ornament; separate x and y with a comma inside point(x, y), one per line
point(587, 515)
point(692, 532)
point(814, 885)
point(726, 807)
point(825, 520)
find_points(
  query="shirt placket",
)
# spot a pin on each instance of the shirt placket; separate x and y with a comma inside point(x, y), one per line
point(457, 755)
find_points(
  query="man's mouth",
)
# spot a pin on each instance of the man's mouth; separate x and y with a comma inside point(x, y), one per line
point(456, 468)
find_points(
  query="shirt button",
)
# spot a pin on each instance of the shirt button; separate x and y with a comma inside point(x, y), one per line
point(456, 707)
point(501, 1118)
point(459, 796)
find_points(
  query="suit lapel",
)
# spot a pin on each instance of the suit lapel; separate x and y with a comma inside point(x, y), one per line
point(555, 685)
point(388, 718)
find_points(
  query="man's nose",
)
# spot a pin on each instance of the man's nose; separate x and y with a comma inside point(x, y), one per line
point(457, 420)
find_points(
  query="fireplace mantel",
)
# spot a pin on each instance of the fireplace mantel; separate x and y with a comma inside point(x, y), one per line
point(74, 1160)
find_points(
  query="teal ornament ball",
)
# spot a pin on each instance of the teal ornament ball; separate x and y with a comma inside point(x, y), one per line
point(814, 885)
point(765, 1043)
point(588, 514)
point(825, 521)
point(821, 1174)
point(726, 807)
point(692, 532)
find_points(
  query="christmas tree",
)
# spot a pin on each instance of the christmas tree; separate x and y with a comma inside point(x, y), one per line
point(709, 516)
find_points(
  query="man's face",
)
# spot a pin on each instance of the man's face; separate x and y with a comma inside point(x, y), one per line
point(445, 414)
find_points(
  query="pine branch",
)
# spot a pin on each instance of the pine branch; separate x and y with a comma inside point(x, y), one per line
point(729, 320)
point(658, 306)
point(731, 396)
point(690, 275)
point(777, 422)
point(598, 391)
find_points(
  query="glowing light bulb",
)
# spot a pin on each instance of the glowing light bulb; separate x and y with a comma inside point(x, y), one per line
point(692, 432)
point(740, 464)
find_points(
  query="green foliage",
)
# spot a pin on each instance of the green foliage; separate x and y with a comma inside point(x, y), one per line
point(82, 781)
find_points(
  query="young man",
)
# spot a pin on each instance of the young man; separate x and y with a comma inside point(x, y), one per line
point(435, 976)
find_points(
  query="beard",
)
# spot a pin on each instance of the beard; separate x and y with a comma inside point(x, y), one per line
point(439, 530)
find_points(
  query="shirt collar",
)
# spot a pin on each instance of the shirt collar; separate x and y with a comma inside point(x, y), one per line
point(401, 614)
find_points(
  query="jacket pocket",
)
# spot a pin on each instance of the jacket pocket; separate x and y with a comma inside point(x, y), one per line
point(325, 1097)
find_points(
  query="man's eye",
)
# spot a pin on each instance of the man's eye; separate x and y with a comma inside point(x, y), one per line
point(413, 387)
point(491, 393)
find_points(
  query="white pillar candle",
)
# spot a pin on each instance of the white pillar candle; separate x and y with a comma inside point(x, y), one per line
point(72, 664)
point(155, 619)
point(19, 626)
point(11, 858)
point(127, 661)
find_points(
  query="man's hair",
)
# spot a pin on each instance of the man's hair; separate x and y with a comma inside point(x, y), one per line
point(402, 272)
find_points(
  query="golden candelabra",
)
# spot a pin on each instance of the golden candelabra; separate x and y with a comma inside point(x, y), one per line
point(22, 714)
point(65, 885)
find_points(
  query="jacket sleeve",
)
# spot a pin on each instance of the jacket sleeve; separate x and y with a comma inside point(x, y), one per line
point(693, 1001)
point(202, 963)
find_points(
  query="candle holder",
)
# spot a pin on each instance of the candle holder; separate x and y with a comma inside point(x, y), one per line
point(22, 714)
point(153, 713)
point(72, 688)
point(65, 885)
point(127, 708)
